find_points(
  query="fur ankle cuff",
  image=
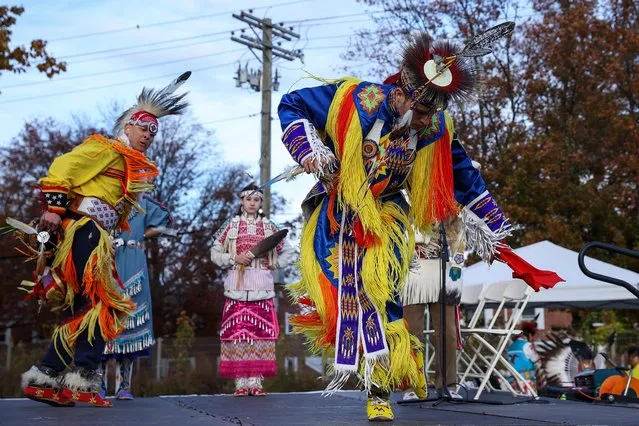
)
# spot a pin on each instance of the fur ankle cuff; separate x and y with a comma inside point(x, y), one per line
point(36, 377)
point(79, 381)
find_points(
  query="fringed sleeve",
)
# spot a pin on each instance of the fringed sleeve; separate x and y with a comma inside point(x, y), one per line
point(485, 225)
point(303, 115)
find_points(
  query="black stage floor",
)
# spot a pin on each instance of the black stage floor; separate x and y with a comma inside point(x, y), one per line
point(344, 408)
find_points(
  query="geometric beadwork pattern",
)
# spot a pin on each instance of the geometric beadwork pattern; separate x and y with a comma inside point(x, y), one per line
point(248, 359)
point(99, 211)
point(370, 98)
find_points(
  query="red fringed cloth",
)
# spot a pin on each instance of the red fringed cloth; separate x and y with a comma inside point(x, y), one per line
point(536, 278)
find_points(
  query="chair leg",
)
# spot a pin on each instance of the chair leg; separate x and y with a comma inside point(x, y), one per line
point(481, 375)
point(501, 376)
point(497, 358)
point(473, 371)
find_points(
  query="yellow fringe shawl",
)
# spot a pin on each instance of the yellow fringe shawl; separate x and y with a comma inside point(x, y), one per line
point(343, 120)
point(422, 191)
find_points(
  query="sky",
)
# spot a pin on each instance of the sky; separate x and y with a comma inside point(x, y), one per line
point(77, 30)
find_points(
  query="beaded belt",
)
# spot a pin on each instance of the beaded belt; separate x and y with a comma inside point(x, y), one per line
point(133, 244)
point(102, 212)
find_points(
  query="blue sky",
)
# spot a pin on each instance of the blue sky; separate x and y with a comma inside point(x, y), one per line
point(68, 26)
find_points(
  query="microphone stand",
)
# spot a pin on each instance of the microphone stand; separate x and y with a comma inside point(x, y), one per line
point(444, 393)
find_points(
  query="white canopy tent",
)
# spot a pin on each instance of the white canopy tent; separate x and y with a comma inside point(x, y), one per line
point(578, 291)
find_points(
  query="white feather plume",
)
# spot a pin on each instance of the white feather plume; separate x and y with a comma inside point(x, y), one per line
point(160, 103)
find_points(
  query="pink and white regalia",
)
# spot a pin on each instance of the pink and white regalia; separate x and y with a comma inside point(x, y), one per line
point(250, 328)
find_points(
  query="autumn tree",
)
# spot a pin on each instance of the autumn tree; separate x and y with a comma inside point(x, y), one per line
point(25, 159)
point(555, 125)
point(495, 120)
point(17, 59)
point(200, 190)
point(574, 177)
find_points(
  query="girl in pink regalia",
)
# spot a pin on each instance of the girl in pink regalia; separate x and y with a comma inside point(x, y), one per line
point(250, 328)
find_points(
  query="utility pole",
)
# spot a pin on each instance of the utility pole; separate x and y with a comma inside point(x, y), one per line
point(265, 147)
point(269, 50)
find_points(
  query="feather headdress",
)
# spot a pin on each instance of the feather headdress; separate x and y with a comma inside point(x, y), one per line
point(434, 72)
point(153, 104)
point(433, 77)
point(561, 357)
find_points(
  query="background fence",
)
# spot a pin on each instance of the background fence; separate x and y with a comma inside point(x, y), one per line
point(173, 369)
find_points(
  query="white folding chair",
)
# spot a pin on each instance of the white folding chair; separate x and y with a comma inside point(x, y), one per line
point(516, 293)
point(493, 293)
point(471, 295)
point(481, 295)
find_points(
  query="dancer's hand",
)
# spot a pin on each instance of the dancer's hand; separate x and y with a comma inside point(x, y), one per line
point(310, 164)
point(320, 166)
point(49, 221)
point(244, 258)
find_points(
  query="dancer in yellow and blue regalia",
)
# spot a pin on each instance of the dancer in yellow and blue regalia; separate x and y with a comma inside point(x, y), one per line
point(89, 193)
point(366, 143)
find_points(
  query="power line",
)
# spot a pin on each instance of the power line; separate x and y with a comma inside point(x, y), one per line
point(325, 18)
point(162, 23)
point(264, 80)
point(137, 27)
point(155, 43)
point(75, 77)
point(323, 24)
point(107, 86)
point(239, 117)
point(369, 14)
point(341, 46)
point(301, 21)
point(119, 55)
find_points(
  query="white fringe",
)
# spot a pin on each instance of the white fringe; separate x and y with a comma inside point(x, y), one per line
point(338, 381)
point(34, 376)
point(480, 238)
point(427, 251)
point(423, 284)
point(369, 366)
point(165, 230)
point(320, 152)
